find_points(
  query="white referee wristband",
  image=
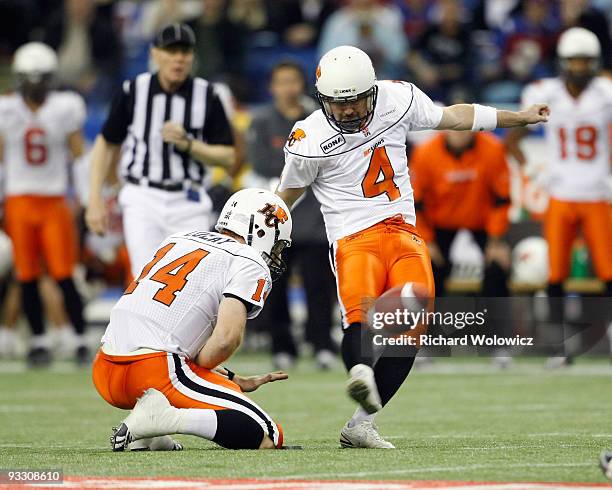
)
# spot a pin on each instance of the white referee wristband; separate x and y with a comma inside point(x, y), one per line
point(485, 118)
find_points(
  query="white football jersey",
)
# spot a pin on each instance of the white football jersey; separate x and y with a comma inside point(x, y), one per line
point(173, 305)
point(36, 154)
point(577, 138)
point(360, 179)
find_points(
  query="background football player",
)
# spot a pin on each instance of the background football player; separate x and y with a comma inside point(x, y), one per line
point(352, 153)
point(40, 130)
point(579, 166)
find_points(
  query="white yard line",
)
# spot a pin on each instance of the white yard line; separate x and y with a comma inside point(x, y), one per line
point(438, 469)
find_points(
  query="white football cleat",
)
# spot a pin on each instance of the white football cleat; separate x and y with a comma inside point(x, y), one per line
point(363, 435)
point(152, 416)
point(160, 443)
point(9, 343)
point(559, 362)
point(361, 387)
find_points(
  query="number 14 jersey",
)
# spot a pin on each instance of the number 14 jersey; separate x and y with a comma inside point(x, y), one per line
point(173, 305)
point(578, 138)
point(360, 179)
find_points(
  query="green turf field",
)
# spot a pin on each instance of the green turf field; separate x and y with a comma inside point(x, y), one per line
point(457, 420)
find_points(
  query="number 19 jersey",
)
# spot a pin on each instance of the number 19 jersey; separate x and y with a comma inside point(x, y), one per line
point(577, 137)
point(360, 179)
point(173, 305)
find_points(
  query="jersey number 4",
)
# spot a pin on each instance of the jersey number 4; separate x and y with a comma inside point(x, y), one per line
point(173, 275)
point(586, 142)
point(379, 177)
point(34, 146)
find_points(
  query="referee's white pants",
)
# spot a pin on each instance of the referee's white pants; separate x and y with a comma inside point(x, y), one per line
point(150, 215)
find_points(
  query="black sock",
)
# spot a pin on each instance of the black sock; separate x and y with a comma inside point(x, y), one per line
point(73, 304)
point(556, 300)
point(608, 290)
point(390, 373)
point(494, 283)
point(356, 347)
point(32, 306)
point(237, 430)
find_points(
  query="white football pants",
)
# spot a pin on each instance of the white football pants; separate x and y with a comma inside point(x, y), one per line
point(150, 215)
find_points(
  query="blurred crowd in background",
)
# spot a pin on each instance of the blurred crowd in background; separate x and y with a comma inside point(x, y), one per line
point(475, 49)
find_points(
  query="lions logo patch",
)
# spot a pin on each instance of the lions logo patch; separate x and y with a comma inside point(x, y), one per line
point(296, 135)
point(273, 214)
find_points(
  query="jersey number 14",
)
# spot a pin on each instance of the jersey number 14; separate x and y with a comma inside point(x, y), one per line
point(174, 275)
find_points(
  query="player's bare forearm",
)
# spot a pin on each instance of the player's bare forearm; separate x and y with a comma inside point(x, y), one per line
point(214, 155)
point(291, 196)
point(103, 155)
point(532, 115)
point(76, 144)
point(226, 336)
point(512, 141)
point(460, 117)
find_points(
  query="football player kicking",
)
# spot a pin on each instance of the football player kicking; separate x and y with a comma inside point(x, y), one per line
point(352, 153)
point(181, 319)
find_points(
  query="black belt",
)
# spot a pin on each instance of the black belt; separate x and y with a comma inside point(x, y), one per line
point(173, 187)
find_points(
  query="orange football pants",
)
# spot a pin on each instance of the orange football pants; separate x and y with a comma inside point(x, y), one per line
point(370, 262)
point(41, 226)
point(561, 226)
point(121, 380)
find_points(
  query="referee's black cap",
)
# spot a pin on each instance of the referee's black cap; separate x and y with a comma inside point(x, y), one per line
point(173, 34)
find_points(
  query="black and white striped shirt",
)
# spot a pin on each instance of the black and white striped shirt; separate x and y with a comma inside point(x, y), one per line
point(136, 117)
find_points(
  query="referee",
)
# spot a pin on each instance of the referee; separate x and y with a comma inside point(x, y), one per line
point(165, 127)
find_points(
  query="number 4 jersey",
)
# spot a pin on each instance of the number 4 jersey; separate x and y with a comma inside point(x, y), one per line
point(35, 143)
point(360, 179)
point(172, 306)
point(577, 137)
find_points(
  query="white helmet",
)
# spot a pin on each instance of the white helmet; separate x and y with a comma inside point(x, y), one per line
point(263, 220)
point(34, 58)
point(578, 42)
point(346, 74)
point(530, 261)
point(34, 65)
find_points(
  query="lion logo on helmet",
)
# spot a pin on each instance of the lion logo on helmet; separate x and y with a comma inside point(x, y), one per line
point(273, 214)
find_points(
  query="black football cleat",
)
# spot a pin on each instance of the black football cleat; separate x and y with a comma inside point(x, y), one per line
point(121, 438)
point(39, 357)
point(82, 356)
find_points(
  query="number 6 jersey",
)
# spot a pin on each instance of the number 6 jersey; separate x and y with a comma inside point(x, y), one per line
point(172, 306)
point(360, 179)
point(35, 143)
point(577, 137)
